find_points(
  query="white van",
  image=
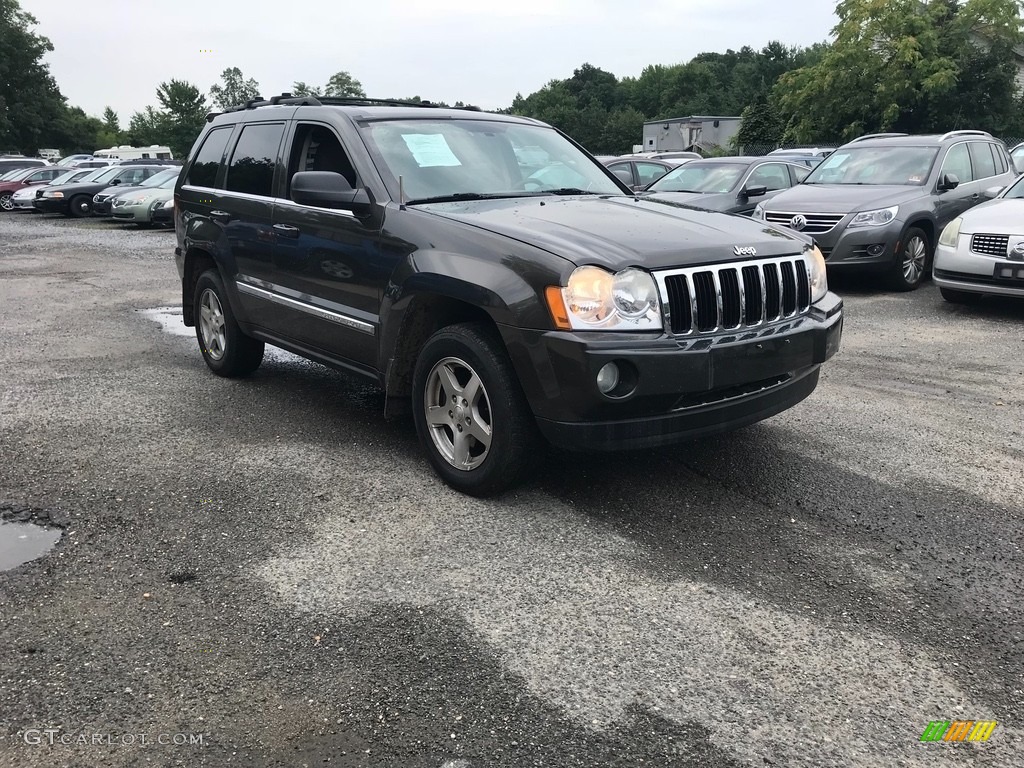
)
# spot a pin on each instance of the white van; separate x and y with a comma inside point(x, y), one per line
point(152, 152)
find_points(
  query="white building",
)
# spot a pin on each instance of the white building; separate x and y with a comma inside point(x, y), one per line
point(700, 133)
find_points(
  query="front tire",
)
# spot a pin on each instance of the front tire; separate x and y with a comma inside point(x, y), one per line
point(80, 206)
point(959, 297)
point(227, 351)
point(912, 260)
point(471, 415)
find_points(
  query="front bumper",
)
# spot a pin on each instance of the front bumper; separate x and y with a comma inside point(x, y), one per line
point(23, 203)
point(961, 269)
point(684, 388)
point(101, 207)
point(868, 248)
point(138, 213)
point(51, 204)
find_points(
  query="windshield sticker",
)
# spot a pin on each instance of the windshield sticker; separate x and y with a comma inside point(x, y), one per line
point(430, 150)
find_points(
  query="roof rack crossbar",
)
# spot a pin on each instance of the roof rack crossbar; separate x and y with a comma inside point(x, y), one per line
point(867, 136)
point(951, 134)
point(318, 101)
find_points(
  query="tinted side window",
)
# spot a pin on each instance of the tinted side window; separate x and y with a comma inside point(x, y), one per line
point(252, 163)
point(981, 157)
point(203, 172)
point(317, 148)
point(622, 171)
point(770, 175)
point(648, 172)
point(1002, 164)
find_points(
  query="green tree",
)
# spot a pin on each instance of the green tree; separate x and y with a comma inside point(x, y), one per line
point(343, 85)
point(761, 126)
point(185, 110)
point(299, 88)
point(30, 102)
point(235, 89)
point(623, 129)
point(906, 65)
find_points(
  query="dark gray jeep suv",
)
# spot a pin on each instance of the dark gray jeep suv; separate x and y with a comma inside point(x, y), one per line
point(500, 302)
point(880, 202)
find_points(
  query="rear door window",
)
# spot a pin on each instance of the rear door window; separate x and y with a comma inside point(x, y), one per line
point(251, 170)
point(958, 162)
point(203, 172)
point(981, 158)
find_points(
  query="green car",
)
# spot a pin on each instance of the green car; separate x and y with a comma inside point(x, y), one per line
point(138, 206)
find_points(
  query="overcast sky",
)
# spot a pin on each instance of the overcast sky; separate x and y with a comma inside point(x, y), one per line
point(116, 52)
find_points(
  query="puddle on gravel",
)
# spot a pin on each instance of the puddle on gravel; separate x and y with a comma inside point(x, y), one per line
point(22, 542)
point(169, 320)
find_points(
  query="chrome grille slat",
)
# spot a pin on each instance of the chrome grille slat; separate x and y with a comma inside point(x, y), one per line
point(817, 223)
point(748, 293)
point(990, 245)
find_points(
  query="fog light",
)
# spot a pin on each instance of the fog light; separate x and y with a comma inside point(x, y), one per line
point(876, 250)
point(608, 378)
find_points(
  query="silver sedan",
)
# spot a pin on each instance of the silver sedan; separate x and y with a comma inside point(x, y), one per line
point(982, 251)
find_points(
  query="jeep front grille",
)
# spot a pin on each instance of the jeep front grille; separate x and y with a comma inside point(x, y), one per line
point(732, 296)
point(990, 245)
point(815, 223)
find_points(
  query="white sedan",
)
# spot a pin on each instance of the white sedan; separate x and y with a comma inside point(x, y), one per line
point(982, 250)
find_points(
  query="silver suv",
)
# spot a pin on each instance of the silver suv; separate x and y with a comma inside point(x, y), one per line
point(879, 202)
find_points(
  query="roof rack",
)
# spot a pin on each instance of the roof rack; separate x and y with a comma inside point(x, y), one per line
point(867, 136)
point(319, 101)
point(951, 134)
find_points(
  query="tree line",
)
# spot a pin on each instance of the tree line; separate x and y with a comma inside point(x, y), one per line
point(913, 66)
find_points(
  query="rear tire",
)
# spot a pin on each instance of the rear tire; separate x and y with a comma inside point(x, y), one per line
point(470, 412)
point(80, 206)
point(6, 204)
point(226, 349)
point(959, 297)
point(913, 260)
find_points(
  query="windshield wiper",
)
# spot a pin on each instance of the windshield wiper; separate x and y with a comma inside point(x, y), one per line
point(568, 191)
point(457, 196)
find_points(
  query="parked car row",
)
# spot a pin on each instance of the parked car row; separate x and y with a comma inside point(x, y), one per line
point(142, 194)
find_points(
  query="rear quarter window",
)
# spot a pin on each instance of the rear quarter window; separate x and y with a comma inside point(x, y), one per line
point(203, 172)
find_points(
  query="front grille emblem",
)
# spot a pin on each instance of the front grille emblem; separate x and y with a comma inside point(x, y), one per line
point(740, 250)
point(798, 222)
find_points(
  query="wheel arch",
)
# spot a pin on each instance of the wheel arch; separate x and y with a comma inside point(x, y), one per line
point(197, 261)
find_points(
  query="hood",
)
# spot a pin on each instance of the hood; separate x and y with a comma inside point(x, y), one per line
point(997, 217)
point(842, 198)
point(620, 232)
point(117, 190)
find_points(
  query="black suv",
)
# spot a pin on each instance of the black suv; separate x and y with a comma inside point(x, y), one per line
point(880, 202)
point(502, 303)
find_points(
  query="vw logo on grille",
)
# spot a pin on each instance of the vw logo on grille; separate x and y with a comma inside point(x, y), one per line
point(798, 222)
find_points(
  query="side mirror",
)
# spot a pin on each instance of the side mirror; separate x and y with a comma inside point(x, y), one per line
point(326, 189)
point(753, 191)
point(115, 182)
point(992, 192)
point(948, 181)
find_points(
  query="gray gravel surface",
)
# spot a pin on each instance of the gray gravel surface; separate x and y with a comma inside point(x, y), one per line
point(269, 566)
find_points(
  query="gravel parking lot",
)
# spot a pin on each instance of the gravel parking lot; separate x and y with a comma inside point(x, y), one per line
point(265, 572)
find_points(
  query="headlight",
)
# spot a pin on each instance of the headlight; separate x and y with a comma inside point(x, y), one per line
point(758, 212)
point(877, 218)
point(53, 194)
point(596, 299)
point(951, 232)
point(139, 200)
point(819, 278)
point(168, 204)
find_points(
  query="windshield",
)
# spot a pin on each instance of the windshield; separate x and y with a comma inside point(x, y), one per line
point(93, 175)
point(1016, 190)
point(158, 179)
point(105, 174)
point(19, 174)
point(713, 178)
point(472, 159)
point(64, 178)
point(903, 166)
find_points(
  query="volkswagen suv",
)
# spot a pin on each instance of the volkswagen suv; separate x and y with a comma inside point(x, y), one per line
point(879, 202)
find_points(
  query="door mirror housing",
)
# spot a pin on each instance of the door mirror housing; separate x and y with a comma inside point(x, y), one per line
point(992, 193)
point(948, 181)
point(115, 182)
point(327, 189)
point(747, 192)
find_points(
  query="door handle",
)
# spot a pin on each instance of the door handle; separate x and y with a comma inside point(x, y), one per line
point(286, 230)
point(975, 196)
point(221, 217)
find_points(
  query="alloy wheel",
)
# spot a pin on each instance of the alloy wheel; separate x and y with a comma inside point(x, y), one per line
point(211, 324)
point(458, 413)
point(915, 255)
